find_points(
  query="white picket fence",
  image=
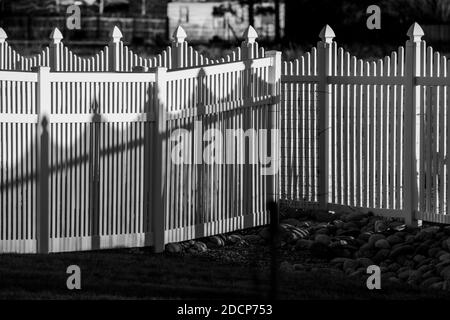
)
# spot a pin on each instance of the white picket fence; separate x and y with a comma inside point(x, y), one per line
point(85, 153)
point(368, 134)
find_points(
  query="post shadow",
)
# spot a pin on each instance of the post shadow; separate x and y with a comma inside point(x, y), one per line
point(149, 134)
point(94, 177)
point(43, 174)
point(200, 214)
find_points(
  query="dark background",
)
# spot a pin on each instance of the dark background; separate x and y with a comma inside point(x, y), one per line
point(28, 23)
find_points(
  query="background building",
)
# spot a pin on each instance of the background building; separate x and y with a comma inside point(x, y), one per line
point(224, 20)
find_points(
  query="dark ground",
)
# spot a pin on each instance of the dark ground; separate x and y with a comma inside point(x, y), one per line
point(225, 273)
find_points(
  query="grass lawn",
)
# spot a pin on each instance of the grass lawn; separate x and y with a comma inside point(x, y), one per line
point(140, 274)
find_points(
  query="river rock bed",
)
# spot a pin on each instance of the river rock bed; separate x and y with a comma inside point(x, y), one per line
point(344, 242)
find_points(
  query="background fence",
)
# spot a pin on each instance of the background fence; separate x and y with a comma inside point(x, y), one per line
point(372, 135)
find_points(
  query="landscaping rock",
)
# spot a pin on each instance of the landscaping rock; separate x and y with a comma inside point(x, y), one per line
point(382, 244)
point(394, 239)
point(404, 275)
point(351, 226)
point(339, 261)
point(252, 238)
point(439, 254)
point(365, 236)
point(200, 246)
point(286, 267)
point(445, 273)
point(446, 244)
point(350, 264)
point(351, 242)
point(433, 251)
point(415, 275)
point(425, 262)
point(446, 230)
point(356, 274)
point(299, 267)
point(394, 267)
point(339, 224)
point(217, 242)
point(303, 244)
point(418, 258)
point(441, 264)
point(427, 283)
point(423, 235)
point(380, 226)
point(431, 229)
point(375, 237)
point(397, 226)
point(444, 257)
point(381, 255)
point(174, 248)
point(351, 232)
point(401, 250)
point(322, 238)
point(364, 262)
point(322, 231)
point(437, 285)
point(387, 275)
point(422, 250)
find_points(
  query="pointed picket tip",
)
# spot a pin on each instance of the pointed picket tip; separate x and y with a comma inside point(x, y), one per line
point(179, 34)
point(116, 34)
point(415, 32)
point(327, 34)
point(250, 35)
point(56, 36)
point(3, 35)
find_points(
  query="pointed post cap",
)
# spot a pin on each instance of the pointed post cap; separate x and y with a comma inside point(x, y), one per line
point(415, 32)
point(327, 34)
point(115, 34)
point(179, 35)
point(3, 35)
point(250, 35)
point(56, 36)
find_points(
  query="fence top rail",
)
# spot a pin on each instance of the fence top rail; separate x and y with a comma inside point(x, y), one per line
point(219, 68)
point(102, 77)
point(25, 76)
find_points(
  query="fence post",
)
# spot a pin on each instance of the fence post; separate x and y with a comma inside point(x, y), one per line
point(249, 45)
point(55, 50)
point(324, 70)
point(273, 124)
point(147, 200)
point(42, 158)
point(159, 161)
point(179, 48)
point(411, 110)
point(114, 50)
point(3, 37)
